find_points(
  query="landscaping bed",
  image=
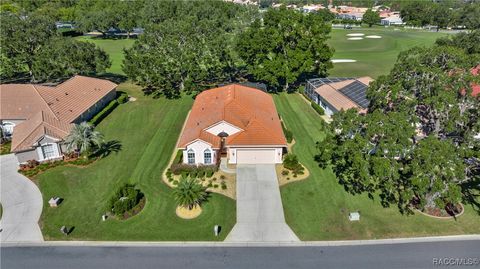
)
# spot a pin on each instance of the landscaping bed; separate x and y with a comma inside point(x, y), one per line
point(209, 176)
point(33, 168)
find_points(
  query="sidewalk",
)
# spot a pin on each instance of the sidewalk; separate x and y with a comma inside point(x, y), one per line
point(473, 237)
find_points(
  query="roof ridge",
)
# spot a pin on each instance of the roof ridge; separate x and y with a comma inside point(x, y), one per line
point(25, 138)
point(43, 99)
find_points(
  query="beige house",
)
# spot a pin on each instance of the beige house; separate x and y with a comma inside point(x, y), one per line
point(38, 117)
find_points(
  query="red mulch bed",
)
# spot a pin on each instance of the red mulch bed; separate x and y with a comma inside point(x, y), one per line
point(446, 212)
point(134, 211)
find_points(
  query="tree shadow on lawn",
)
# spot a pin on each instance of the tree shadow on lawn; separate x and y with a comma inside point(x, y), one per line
point(117, 78)
point(471, 194)
point(106, 148)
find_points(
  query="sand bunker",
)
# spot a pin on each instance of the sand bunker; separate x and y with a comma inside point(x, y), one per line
point(373, 36)
point(343, 61)
point(356, 34)
point(355, 38)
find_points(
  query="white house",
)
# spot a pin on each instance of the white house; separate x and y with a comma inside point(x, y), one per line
point(234, 121)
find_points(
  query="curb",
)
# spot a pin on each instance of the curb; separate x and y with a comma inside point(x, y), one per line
point(472, 237)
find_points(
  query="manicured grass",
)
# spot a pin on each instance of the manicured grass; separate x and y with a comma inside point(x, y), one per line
point(374, 56)
point(147, 130)
point(317, 208)
point(114, 48)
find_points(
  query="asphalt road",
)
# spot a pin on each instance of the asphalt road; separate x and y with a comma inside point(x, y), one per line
point(405, 255)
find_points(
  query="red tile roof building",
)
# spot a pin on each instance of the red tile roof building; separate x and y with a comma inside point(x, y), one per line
point(228, 118)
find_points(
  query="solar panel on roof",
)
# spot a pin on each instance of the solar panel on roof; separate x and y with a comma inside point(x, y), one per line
point(357, 92)
point(317, 82)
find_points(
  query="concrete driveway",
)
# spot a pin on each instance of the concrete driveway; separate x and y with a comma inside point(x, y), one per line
point(259, 207)
point(22, 204)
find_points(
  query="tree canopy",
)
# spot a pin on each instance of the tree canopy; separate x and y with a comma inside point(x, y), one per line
point(31, 47)
point(285, 47)
point(416, 146)
point(371, 17)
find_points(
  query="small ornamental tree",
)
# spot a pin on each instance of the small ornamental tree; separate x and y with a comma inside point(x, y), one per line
point(83, 138)
point(190, 193)
point(126, 198)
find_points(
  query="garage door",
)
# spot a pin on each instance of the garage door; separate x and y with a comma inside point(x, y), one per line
point(255, 156)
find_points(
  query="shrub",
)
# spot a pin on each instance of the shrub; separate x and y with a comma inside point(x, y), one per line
point(179, 168)
point(222, 177)
point(288, 178)
point(214, 179)
point(169, 173)
point(123, 98)
point(210, 173)
point(126, 198)
point(201, 174)
point(288, 134)
point(317, 108)
point(215, 186)
point(285, 172)
point(104, 112)
point(210, 185)
point(224, 185)
point(291, 163)
point(194, 174)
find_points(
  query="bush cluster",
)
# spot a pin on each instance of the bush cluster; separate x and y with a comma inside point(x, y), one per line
point(291, 163)
point(33, 168)
point(125, 199)
point(178, 157)
point(193, 171)
point(317, 108)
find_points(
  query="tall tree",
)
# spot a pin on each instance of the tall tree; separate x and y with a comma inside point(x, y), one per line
point(178, 56)
point(21, 37)
point(417, 143)
point(371, 17)
point(63, 57)
point(286, 47)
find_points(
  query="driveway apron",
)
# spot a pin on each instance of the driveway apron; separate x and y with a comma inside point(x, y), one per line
point(260, 215)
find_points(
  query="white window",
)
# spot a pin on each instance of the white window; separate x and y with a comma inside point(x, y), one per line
point(191, 156)
point(49, 151)
point(207, 156)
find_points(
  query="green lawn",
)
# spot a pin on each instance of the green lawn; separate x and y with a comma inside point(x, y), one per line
point(317, 208)
point(147, 129)
point(374, 56)
point(114, 48)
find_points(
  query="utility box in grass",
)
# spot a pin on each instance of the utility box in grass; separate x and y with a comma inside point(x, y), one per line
point(354, 216)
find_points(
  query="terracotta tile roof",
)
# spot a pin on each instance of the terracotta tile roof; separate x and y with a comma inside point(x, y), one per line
point(73, 97)
point(20, 101)
point(475, 87)
point(49, 110)
point(331, 93)
point(27, 133)
point(67, 101)
point(247, 108)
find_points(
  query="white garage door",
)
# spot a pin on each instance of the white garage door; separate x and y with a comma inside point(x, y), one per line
point(255, 156)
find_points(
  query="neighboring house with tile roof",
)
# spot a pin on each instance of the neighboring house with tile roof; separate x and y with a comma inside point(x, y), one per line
point(336, 94)
point(38, 117)
point(238, 122)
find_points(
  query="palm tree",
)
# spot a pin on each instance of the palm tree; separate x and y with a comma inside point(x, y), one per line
point(83, 138)
point(190, 193)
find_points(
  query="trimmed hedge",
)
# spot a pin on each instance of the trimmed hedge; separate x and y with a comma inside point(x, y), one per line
point(178, 157)
point(317, 108)
point(192, 170)
point(123, 98)
point(104, 112)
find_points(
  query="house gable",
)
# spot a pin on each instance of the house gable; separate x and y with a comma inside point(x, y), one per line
point(223, 126)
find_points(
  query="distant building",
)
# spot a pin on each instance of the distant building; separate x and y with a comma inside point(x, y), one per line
point(392, 19)
point(336, 94)
point(312, 8)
